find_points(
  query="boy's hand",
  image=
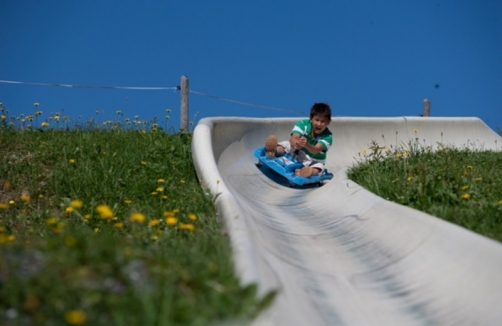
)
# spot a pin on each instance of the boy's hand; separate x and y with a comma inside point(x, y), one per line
point(302, 142)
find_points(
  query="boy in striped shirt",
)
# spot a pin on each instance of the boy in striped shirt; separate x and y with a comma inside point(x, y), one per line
point(310, 140)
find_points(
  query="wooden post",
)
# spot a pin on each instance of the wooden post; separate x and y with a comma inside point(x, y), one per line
point(184, 104)
point(427, 108)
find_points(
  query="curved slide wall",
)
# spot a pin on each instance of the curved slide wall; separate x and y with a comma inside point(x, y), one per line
point(340, 255)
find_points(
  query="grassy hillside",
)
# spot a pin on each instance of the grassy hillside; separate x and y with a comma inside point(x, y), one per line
point(460, 185)
point(109, 226)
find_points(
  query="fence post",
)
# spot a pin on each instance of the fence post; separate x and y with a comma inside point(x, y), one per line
point(427, 108)
point(184, 103)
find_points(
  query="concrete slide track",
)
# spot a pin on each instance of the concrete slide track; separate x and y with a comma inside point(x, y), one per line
point(338, 254)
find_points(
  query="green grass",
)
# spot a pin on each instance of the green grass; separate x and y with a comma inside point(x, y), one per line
point(108, 225)
point(460, 185)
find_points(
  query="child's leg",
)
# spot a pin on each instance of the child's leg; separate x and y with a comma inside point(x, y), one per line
point(312, 168)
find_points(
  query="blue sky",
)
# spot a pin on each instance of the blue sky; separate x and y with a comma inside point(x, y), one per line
point(365, 58)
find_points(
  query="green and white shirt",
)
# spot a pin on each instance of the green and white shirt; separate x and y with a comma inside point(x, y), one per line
point(304, 128)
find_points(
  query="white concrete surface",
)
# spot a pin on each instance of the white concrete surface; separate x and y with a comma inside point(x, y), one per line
point(340, 255)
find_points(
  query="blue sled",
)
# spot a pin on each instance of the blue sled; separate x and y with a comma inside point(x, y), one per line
point(286, 166)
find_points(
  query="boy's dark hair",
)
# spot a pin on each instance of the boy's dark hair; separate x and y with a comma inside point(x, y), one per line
point(322, 109)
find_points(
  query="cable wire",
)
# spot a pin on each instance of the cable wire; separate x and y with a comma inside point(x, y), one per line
point(244, 103)
point(88, 86)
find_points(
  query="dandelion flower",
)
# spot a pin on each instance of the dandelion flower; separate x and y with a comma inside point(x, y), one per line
point(45, 124)
point(187, 226)
point(466, 196)
point(71, 161)
point(87, 216)
point(182, 181)
point(171, 220)
point(52, 220)
point(409, 178)
point(70, 241)
point(161, 181)
point(118, 225)
point(143, 163)
point(3, 206)
point(164, 197)
point(465, 187)
point(25, 198)
point(154, 222)
point(154, 193)
point(75, 317)
point(154, 238)
point(192, 217)
point(76, 203)
point(137, 217)
point(12, 202)
point(478, 179)
point(500, 202)
point(69, 209)
point(104, 211)
point(127, 201)
point(160, 189)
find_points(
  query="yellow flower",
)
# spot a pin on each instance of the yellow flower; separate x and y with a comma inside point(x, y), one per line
point(127, 201)
point(3, 206)
point(12, 202)
point(169, 214)
point(160, 189)
point(466, 196)
point(76, 203)
point(399, 155)
point(87, 216)
point(171, 220)
point(469, 166)
point(3, 117)
point(394, 181)
point(500, 202)
point(104, 211)
point(188, 227)
point(363, 150)
point(25, 198)
point(164, 197)
point(154, 193)
point(182, 181)
point(415, 130)
point(118, 225)
point(72, 161)
point(70, 241)
point(75, 317)
point(52, 220)
point(143, 163)
point(478, 179)
point(192, 217)
point(409, 178)
point(45, 124)
point(154, 222)
point(96, 230)
point(465, 187)
point(137, 217)
point(69, 209)
point(161, 181)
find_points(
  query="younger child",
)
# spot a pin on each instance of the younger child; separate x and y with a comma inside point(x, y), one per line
point(310, 140)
